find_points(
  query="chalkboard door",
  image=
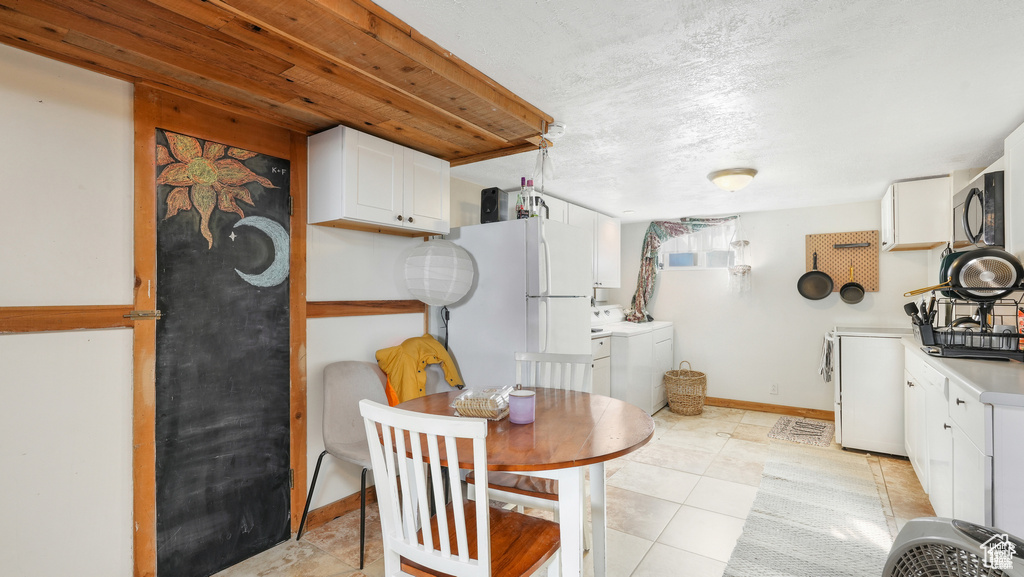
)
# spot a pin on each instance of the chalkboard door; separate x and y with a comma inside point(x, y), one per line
point(222, 355)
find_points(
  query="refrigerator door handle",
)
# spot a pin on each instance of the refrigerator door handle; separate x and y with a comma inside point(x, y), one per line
point(546, 289)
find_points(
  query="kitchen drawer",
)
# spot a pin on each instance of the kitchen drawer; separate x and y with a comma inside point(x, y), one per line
point(924, 373)
point(969, 413)
point(600, 348)
point(662, 334)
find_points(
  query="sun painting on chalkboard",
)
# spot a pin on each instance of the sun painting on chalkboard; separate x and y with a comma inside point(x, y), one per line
point(205, 177)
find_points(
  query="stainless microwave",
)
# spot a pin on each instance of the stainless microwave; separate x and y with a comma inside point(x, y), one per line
point(978, 213)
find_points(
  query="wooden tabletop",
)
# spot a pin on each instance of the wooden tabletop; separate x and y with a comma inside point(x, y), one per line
point(571, 429)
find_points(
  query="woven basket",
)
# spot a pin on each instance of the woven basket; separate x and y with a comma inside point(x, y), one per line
point(686, 390)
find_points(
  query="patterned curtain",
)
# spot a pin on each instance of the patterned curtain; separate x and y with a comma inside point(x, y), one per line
point(657, 233)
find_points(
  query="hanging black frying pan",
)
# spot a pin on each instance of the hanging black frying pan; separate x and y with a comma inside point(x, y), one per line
point(851, 292)
point(814, 284)
point(974, 270)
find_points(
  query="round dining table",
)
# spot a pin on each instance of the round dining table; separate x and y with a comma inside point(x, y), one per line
point(571, 430)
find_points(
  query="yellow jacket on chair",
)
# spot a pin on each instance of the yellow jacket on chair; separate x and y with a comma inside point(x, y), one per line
point(406, 367)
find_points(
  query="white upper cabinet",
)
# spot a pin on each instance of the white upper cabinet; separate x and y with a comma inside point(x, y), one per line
point(916, 214)
point(359, 181)
point(427, 192)
point(608, 254)
point(606, 237)
point(557, 209)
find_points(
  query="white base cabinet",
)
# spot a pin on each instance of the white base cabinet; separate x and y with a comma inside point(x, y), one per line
point(638, 365)
point(974, 454)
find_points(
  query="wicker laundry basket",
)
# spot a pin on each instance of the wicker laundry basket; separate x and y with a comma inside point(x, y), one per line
point(686, 390)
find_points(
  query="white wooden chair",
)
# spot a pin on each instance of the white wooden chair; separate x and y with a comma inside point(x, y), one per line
point(555, 371)
point(467, 538)
point(539, 370)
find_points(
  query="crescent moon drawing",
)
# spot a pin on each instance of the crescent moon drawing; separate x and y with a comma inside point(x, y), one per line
point(278, 269)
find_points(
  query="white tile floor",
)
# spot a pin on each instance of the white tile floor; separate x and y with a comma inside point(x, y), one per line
point(675, 508)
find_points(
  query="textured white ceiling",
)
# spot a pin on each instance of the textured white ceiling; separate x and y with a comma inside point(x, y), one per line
point(829, 100)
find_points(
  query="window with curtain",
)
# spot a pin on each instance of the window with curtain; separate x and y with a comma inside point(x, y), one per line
point(709, 248)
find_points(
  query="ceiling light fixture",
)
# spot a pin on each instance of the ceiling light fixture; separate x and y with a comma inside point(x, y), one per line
point(732, 179)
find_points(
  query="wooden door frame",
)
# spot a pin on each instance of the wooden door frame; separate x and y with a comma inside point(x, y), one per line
point(156, 108)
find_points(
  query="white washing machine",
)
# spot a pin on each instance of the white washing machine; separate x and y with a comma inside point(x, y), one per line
point(640, 355)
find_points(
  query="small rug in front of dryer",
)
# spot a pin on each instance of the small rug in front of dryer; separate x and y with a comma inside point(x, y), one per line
point(801, 430)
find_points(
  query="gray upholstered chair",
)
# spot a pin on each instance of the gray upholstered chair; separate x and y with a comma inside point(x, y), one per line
point(345, 384)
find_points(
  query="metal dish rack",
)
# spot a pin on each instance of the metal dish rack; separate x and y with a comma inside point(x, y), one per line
point(995, 334)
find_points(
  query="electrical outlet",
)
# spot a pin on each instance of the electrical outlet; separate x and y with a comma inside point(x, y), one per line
point(774, 389)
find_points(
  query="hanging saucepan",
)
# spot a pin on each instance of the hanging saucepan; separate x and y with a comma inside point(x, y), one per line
point(974, 270)
point(851, 292)
point(814, 284)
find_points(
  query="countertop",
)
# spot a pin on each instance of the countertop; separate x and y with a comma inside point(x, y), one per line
point(872, 331)
point(995, 382)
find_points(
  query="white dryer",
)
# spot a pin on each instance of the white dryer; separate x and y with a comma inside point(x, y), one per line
point(640, 355)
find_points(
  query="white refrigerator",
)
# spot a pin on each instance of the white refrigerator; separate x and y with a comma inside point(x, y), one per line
point(531, 294)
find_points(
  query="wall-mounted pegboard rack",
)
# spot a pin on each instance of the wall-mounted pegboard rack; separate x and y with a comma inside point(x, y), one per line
point(837, 251)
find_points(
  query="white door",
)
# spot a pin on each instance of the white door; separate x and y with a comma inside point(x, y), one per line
point(427, 191)
point(557, 258)
point(939, 451)
point(972, 481)
point(663, 362)
point(602, 377)
point(607, 254)
point(374, 191)
point(558, 325)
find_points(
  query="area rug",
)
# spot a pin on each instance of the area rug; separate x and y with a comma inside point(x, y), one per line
point(806, 431)
point(817, 513)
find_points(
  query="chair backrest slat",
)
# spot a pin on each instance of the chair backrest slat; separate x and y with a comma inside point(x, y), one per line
point(416, 464)
point(399, 454)
point(554, 371)
point(461, 541)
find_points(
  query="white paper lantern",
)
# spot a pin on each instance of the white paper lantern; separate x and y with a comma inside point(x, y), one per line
point(439, 272)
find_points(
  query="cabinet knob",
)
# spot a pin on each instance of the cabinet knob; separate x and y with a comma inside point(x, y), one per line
point(960, 402)
point(400, 217)
point(945, 426)
point(884, 243)
point(410, 219)
point(910, 383)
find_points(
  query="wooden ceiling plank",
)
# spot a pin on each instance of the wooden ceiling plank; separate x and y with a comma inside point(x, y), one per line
point(517, 149)
point(352, 84)
point(335, 70)
point(205, 13)
point(376, 21)
point(14, 21)
point(414, 117)
point(162, 72)
point(325, 30)
point(144, 27)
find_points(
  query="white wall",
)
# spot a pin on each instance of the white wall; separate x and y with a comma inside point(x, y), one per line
point(465, 202)
point(66, 144)
point(349, 265)
point(745, 342)
point(65, 397)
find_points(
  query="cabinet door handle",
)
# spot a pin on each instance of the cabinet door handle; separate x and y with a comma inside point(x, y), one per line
point(910, 383)
point(410, 219)
point(960, 402)
point(945, 426)
point(400, 217)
